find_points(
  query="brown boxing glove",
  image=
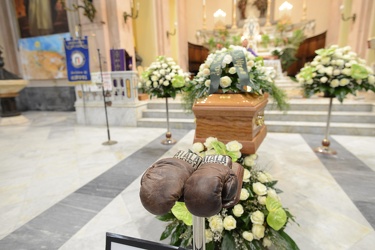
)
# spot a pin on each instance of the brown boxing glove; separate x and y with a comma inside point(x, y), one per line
point(210, 186)
point(162, 184)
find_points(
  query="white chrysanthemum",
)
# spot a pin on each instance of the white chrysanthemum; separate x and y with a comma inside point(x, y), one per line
point(336, 72)
point(325, 60)
point(334, 83)
point(166, 83)
point(309, 82)
point(371, 79)
point(206, 72)
point(314, 63)
point(154, 78)
point(148, 83)
point(155, 84)
point(323, 79)
point(344, 82)
point(347, 71)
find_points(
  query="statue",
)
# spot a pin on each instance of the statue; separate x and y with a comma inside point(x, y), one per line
point(242, 7)
point(261, 6)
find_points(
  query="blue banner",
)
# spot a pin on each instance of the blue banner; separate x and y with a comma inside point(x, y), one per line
point(77, 59)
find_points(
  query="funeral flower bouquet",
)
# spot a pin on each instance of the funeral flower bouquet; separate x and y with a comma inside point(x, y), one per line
point(336, 72)
point(233, 70)
point(256, 222)
point(163, 78)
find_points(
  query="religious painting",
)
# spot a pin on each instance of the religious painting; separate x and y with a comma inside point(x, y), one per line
point(41, 17)
point(43, 57)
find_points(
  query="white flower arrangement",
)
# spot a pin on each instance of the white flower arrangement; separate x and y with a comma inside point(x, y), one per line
point(238, 71)
point(336, 72)
point(257, 221)
point(163, 78)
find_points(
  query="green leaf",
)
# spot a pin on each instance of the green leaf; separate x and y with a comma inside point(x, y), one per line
point(166, 217)
point(255, 245)
point(175, 237)
point(228, 242)
point(168, 230)
point(233, 155)
point(210, 245)
point(182, 213)
point(283, 240)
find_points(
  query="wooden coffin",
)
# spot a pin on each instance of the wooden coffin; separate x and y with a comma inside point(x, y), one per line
point(230, 117)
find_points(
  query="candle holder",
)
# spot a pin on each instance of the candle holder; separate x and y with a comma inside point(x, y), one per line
point(132, 15)
point(325, 149)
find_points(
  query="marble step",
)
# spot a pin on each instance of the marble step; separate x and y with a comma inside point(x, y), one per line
point(273, 115)
point(320, 104)
point(275, 126)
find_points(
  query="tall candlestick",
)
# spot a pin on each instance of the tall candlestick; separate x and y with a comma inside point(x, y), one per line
point(268, 23)
point(204, 14)
point(304, 9)
point(234, 19)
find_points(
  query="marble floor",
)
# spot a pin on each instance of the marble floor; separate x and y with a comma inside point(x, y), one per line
point(60, 188)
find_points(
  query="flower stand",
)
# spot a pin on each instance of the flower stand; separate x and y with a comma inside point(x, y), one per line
point(231, 117)
point(168, 136)
point(325, 149)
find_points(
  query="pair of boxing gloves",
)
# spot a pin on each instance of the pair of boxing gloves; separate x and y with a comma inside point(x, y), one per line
point(206, 185)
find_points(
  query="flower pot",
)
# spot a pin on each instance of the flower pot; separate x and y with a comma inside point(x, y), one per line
point(231, 117)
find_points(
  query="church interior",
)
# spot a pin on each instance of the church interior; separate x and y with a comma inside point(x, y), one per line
point(95, 92)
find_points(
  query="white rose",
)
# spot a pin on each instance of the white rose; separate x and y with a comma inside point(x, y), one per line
point(259, 188)
point(323, 79)
point(322, 70)
point(209, 235)
point(155, 84)
point(313, 63)
point(164, 65)
point(250, 64)
point(209, 142)
point(198, 147)
point(227, 60)
point(267, 242)
point(232, 70)
point(269, 176)
point(262, 177)
point(249, 161)
point(206, 72)
point(329, 71)
point(233, 146)
point(262, 200)
point(207, 83)
point(225, 81)
point(309, 82)
point(334, 83)
point(216, 223)
point(371, 79)
point(246, 175)
point(162, 72)
point(229, 223)
point(161, 81)
point(148, 83)
point(244, 194)
point(257, 217)
point(247, 236)
point(172, 74)
point(326, 60)
point(258, 231)
point(237, 210)
point(344, 82)
point(168, 77)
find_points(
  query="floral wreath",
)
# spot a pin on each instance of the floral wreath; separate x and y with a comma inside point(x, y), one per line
point(233, 70)
point(256, 222)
